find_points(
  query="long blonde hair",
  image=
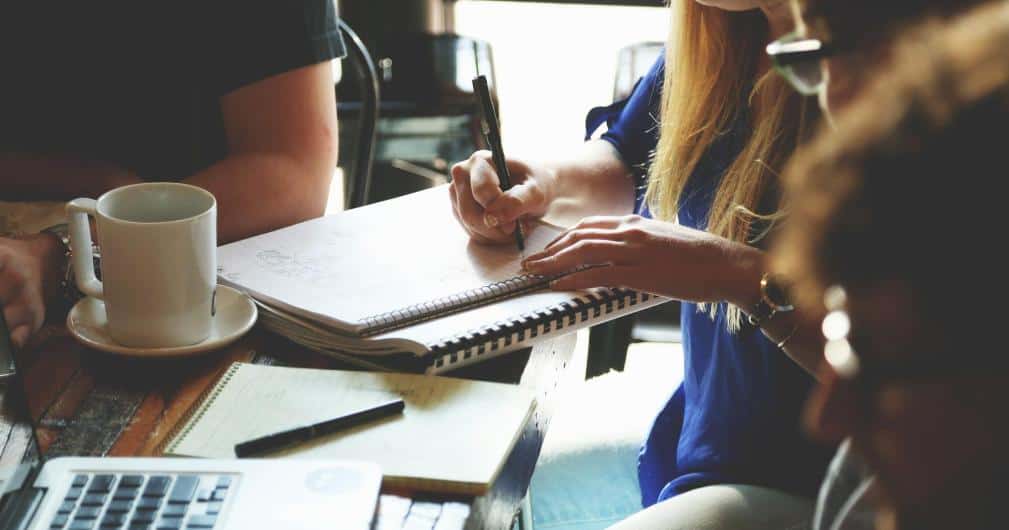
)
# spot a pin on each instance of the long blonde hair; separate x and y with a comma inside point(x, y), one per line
point(712, 60)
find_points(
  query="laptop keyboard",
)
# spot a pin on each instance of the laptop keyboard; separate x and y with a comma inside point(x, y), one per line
point(142, 502)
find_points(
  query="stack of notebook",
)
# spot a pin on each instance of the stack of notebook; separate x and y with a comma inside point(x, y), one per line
point(399, 285)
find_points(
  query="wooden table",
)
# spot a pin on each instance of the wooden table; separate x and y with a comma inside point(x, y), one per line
point(86, 403)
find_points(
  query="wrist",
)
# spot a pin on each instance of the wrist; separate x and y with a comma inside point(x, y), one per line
point(51, 256)
point(774, 299)
point(747, 266)
point(550, 182)
point(44, 246)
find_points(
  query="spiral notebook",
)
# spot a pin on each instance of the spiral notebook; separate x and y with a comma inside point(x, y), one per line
point(401, 279)
point(452, 437)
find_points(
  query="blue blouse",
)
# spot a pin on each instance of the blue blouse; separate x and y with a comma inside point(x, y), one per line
point(735, 417)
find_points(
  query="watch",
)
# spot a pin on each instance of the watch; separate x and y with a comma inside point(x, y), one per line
point(774, 299)
point(68, 283)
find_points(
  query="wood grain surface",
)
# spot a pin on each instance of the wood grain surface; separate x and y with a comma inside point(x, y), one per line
point(86, 403)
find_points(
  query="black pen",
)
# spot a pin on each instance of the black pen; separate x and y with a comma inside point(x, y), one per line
point(492, 132)
point(297, 435)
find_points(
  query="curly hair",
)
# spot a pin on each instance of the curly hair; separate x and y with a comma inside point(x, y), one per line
point(910, 185)
point(870, 21)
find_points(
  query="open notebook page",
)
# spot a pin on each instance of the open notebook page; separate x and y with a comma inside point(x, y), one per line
point(347, 267)
point(452, 437)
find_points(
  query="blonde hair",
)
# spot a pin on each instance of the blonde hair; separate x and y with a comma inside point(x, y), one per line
point(712, 60)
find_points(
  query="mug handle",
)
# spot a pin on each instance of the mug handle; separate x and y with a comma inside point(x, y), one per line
point(78, 211)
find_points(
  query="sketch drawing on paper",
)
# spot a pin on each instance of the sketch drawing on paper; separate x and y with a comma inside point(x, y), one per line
point(305, 268)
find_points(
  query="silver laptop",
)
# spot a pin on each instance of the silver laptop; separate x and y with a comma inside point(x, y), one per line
point(173, 493)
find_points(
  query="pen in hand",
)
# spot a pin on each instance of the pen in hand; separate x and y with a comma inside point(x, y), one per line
point(492, 134)
point(272, 442)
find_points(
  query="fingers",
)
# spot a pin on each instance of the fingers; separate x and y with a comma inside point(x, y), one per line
point(477, 178)
point(483, 179)
point(520, 200)
point(580, 254)
point(23, 318)
point(474, 235)
point(20, 336)
point(475, 184)
point(469, 212)
point(605, 276)
point(10, 288)
point(609, 221)
point(15, 311)
point(21, 298)
point(571, 237)
point(629, 222)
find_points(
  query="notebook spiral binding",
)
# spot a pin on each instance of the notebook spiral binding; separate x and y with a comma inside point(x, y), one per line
point(467, 347)
point(195, 412)
point(455, 303)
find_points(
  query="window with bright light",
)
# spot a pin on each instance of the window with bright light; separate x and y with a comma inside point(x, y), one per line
point(553, 63)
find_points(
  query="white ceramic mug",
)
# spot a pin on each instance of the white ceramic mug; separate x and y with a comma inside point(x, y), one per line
point(159, 261)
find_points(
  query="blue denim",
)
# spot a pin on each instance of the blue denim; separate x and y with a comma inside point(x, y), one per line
point(585, 490)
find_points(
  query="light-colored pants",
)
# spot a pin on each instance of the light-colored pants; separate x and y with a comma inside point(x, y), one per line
point(725, 507)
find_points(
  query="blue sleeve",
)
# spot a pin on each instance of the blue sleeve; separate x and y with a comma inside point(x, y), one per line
point(632, 124)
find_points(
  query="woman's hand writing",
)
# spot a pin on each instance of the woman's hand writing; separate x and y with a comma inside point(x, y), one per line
point(489, 214)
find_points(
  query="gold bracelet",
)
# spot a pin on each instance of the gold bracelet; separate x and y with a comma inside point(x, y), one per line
point(781, 345)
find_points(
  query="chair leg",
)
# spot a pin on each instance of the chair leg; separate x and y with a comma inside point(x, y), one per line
point(608, 346)
point(524, 520)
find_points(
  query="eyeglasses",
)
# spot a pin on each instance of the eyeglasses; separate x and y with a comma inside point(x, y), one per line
point(797, 59)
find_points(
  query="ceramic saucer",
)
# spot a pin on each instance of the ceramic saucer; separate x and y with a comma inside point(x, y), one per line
point(236, 313)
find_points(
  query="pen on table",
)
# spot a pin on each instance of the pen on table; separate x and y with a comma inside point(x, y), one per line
point(492, 133)
point(305, 433)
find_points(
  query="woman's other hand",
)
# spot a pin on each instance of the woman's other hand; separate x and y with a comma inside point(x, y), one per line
point(653, 256)
point(489, 214)
point(28, 268)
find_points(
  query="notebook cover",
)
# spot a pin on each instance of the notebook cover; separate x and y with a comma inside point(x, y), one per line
point(359, 270)
point(453, 437)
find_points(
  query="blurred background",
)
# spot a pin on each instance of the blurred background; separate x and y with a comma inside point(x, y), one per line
point(548, 64)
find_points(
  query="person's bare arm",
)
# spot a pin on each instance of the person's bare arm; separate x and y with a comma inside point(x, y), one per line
point(282, 139)
point(803, 338)
point(798, 331)
point(594, 181)
point(672, 260)
point(282, 151)
point(31, 177)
